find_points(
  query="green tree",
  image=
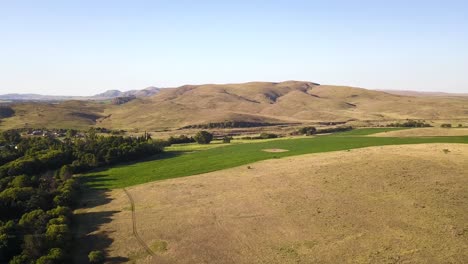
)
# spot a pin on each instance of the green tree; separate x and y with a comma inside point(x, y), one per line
point(19, 259)
point(34, 222)
point(66, 172)
point(10, 244)
point(10, 136)
point(203, 137)
point(58, 235)
point(59, 211)
point(71, 133)
point(54, 256)
point(96, 257)
point(20, 181)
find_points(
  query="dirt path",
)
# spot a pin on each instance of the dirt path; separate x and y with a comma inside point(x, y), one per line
point(135, 231)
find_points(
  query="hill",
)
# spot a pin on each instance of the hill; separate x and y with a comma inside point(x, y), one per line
point(254, 102)
point(149, 91)
point(283, 102)
point(418, 93)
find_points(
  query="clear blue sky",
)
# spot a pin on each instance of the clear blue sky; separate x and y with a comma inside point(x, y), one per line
point(85, 47)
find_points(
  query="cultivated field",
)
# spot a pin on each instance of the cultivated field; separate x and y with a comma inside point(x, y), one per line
point(382, 204)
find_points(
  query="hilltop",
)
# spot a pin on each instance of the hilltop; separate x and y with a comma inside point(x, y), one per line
point(254, 102)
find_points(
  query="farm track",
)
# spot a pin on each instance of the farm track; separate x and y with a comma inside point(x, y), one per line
point(135, 231)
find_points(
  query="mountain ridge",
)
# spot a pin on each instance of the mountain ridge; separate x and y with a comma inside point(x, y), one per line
point(109, 94)
point(253, 102)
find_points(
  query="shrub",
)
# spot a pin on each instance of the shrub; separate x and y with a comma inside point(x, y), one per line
point(180, 140)
point(268, 135)
point(96, 256)
point(446, 125)
point(203, 137)
point(227, 139)
point(307, 131)
point(410, 123)
point(334, 129)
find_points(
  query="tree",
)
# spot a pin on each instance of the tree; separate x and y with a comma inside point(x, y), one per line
point(20, 181)
point(10, 136)
point(55, 256)
point(96, 256)
point(71, 133)
point(203, 137)
point(10, 243)
point(66, 172)
point(58, 235)
point(19, 259)
point(34, 222)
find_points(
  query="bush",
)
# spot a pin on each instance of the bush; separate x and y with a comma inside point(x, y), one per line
point(267, 135)
point(203, 137)
point(96, 256)
point(334, 129)
point(446, 125)
point(410, 123)
point(227, 139)
point(180, 140)
point(307, 131)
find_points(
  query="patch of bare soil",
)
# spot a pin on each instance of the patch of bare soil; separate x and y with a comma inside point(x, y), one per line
point(275, 150)
point(392, 204)
point(424, 132)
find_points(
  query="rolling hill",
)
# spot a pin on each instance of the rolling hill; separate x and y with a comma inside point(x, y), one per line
point(149, 91)
point(259, 102)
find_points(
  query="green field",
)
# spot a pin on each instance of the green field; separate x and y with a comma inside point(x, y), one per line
point(180, 163)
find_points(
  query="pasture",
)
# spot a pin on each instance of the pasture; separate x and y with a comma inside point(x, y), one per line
point(191, 159)
point(382, 204)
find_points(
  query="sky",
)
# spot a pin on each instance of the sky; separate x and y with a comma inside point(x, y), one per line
point(81, 47)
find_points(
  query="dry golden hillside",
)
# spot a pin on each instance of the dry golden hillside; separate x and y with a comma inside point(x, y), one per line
point(265, 102)
point(277, 102)
point(69, 114)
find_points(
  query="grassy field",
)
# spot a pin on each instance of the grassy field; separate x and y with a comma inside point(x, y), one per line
point(184, 161)
point(384, 204)
point(370, 131)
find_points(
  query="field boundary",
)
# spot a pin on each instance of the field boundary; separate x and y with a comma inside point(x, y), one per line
point(135, 231)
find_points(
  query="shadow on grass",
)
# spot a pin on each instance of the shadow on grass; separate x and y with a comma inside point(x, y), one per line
point(87, 233)
point(160, 156)
point(87, 223)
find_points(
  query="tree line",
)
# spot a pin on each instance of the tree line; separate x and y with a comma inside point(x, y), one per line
point(38, 190)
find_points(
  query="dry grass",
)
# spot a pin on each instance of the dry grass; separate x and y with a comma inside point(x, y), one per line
point(424, 132)
point(70, 114)
point(392, 204)
point(275, 150)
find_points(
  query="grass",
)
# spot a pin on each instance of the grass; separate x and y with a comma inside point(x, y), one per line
point(369, 131)
point(173, 164)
